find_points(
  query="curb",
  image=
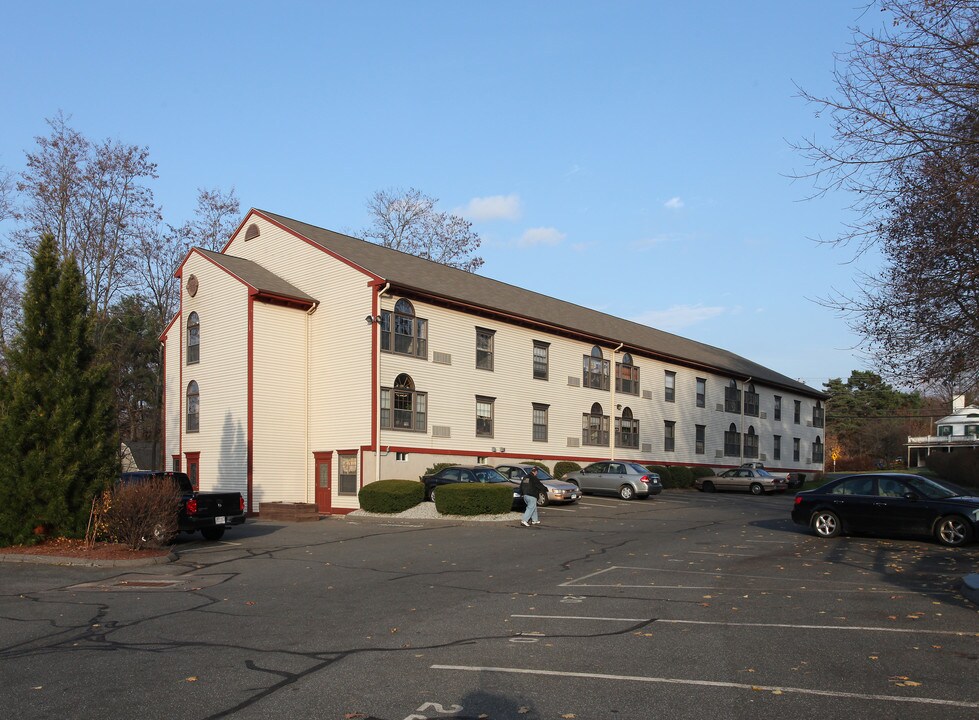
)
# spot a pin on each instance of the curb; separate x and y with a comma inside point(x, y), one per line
point(64, 560)
point(970, 587)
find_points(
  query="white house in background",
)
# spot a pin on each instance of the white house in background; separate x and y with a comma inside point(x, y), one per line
point(304, 363)
point(955, 431)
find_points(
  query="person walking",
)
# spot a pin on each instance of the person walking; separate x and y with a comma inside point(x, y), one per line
point(531, 487)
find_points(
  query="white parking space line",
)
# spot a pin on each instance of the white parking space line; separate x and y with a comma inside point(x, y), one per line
point(719, 554)
point(564, 674)
point(908, 631)
point(777, 584)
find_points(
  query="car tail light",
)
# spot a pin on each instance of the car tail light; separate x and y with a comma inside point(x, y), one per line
point(798, 500)
point(241, 503)
point(644, 479)
point(192, 506)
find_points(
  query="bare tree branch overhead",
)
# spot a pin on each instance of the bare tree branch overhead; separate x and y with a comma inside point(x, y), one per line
point(905, 121)
point(407, 220)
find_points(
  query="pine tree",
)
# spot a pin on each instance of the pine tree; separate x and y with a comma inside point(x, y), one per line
point(58, 442)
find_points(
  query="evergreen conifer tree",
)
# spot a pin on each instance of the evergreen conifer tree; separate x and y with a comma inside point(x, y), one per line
point(58, 441)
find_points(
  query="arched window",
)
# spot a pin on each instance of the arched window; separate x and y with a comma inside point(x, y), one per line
point(732, 441)
point(403, 407)
point(594, 427)
point(817, 450)
point(193, 339)
point(626, 376)
point(751, 401)
point(818, 415)
point(750, 443)
point(402, 332)
point(732, 398)
point(595, 370)
point(193, 407)
point(626, 430)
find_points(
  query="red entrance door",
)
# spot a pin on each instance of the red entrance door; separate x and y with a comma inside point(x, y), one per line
point(324, 485)
point(193, 469)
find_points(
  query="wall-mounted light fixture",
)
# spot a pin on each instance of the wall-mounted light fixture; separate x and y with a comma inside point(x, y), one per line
point(371, 319)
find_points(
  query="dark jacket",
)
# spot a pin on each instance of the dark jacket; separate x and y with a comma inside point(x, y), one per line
point(531, 485)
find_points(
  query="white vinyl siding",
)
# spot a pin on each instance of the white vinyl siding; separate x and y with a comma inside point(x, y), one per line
point(222, 304)
point(279, 462)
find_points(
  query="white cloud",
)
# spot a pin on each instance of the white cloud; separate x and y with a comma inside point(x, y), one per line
point(674, 203)
point(494, 207)
point(541, 236)
point(679, 316)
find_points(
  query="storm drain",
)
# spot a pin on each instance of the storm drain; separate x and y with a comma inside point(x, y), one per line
point(135, 581)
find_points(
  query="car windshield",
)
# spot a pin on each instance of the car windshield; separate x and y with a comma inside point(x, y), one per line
point(489, 475)
point(542, 474)
point(929, 488)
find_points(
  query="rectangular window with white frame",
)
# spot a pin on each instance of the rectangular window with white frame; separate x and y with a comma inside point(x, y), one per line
point(541, 352)
point(700, 446)
point(669, 380)
point(669, 435)
point(484, 349)
point(540, 422)
point(484, 416)
point(701, 392)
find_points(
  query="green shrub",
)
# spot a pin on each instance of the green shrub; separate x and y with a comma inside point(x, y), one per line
point(438, 466)
point(700, 471)
point(682, 477)
point(474, 498)
point(391, 496)
point(563, 467)
point(665, 476)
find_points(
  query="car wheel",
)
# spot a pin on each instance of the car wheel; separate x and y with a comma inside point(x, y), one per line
point(430, 495)
point(952, 531)
point(542, 499)
point(708, 486)
point(213, 533)
point(826, 524)
point(627, 492)
point(756, 489)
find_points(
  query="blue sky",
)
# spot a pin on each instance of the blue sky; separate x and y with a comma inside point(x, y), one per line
point(633, 157)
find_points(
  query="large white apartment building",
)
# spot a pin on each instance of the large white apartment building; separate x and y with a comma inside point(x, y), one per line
point(304, 364)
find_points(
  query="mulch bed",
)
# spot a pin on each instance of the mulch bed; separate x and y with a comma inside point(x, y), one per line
point(68, 547)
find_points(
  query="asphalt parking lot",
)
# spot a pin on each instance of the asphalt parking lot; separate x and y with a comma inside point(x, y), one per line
point(682, 606)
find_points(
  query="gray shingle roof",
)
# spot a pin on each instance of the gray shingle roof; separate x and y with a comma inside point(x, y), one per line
point(256, 276)
point(409, 272)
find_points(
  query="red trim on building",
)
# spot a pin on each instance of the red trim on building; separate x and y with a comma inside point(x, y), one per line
point(250, 432)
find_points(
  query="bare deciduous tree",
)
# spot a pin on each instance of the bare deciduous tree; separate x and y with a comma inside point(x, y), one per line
point(94, 199)
point(407, 220)
point(905, 121)
point(216, 217)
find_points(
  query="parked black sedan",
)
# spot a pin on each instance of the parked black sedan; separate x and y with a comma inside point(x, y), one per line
point(462, 473)
point(889, 504)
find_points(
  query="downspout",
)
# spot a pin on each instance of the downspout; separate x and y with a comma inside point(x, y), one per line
point(377, 383)
point(306, 450)
point(744, 388)
point(612, 389)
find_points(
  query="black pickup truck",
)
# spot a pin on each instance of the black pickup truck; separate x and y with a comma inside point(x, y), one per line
point(209, 512)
